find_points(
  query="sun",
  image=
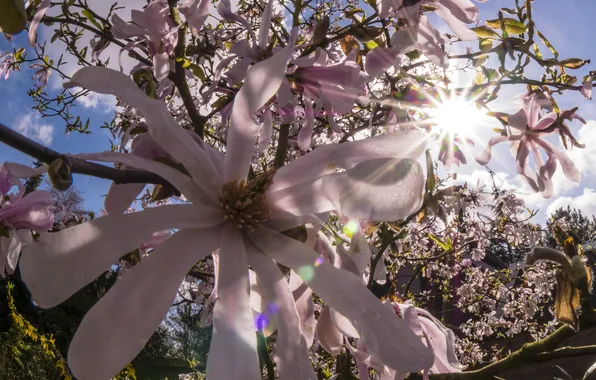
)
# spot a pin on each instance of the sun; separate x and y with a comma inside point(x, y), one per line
point(456, 116)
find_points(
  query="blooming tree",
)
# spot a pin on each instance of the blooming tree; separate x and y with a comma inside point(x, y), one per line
point(286, 161)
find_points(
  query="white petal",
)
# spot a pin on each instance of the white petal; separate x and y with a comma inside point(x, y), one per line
point(305, 307)
point(385, 336)
point(290, 348)
point(115, 330)
point(61, 263)
point(327, 334)
point(233, 326)
point(325, 159)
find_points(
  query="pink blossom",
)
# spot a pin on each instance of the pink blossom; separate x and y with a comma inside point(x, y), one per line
point(42, 74)
point(450, 152)
point(241, 219)
point(18, 215)
point(528, 128)
point(421, 34)
point(154, 26)
point(7, 64)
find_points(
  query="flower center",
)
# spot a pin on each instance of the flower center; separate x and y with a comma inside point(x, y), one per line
point(245, 203)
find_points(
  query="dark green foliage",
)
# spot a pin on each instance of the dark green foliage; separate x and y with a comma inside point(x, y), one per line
point(580, 227)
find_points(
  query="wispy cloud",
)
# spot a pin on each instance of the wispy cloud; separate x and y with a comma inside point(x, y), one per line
point(585, 202)
point(100, 102)
point(32, 126)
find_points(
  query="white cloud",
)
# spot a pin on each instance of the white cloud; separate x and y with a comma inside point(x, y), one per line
point(101, 102)
point(32, 126)
point(585, 202)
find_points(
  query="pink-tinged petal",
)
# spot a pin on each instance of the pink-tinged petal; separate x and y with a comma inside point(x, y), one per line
point(233, 326)
point(284, 96)
point(262, 82)
point(443, 342)
point(455, 24)
point(121, 29)
point(161, 66)
point(429, 42)
point(180, 181)
point(266, 131)
point(519, 120)
point(304, 306)
point(162, 126)
point(305, 134)
point(586, 89)
point(325, 159)
point(23, 171)
point(61, 263)
point(385, 336)
point(360, 250)
point(386, 7)
point(464, 10)
point(405, 39)
point(521, 158)
point(196, 12)
point(365, 358)
point(40, 12)
point(265, 24)
point(120, 197)
point(30, 212)
point(224, 8)
point(379, 60)
point(291, 351)
point(545, 122)
point(327, 334)
point(115, 330)
point(379, 189)
point(10, 249)
point(217, 76)
point(484, 157)
point(567, 164)
point(333, 124)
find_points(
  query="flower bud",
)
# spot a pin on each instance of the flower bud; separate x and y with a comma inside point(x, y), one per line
point(60, 175)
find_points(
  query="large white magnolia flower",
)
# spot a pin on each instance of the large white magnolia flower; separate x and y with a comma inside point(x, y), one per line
point(241, 217)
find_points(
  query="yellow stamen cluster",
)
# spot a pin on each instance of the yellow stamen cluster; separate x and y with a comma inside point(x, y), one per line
point(245, 203)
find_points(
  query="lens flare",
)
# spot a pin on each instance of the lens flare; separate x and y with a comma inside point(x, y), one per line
point(261, 322)
point(306, 272)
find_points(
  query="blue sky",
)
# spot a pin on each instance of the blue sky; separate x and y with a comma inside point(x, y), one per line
point(569, 25)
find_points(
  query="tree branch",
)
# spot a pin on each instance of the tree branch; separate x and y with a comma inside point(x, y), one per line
point(23, 144)
point(179, 77)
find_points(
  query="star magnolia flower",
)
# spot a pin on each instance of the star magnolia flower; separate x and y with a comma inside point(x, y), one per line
point(419, 33)
point(42, 74)
point(241, 217)
point(18, 215)
point(529, 128)
point(154, 26)
point(450, 152)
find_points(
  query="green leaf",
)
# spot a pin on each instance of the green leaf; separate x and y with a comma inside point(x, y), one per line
point(512, 26)
point(439, 242)
point(485, 44)
point(537, 51)
point(484, 31)
point(430, 173)
point(91, 18)
point(573, 63)
point(548, 44)
point(413, 55)
point(196, 69)
point(371, 45)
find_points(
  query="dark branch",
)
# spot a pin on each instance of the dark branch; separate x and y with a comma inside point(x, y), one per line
point(46, 155)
